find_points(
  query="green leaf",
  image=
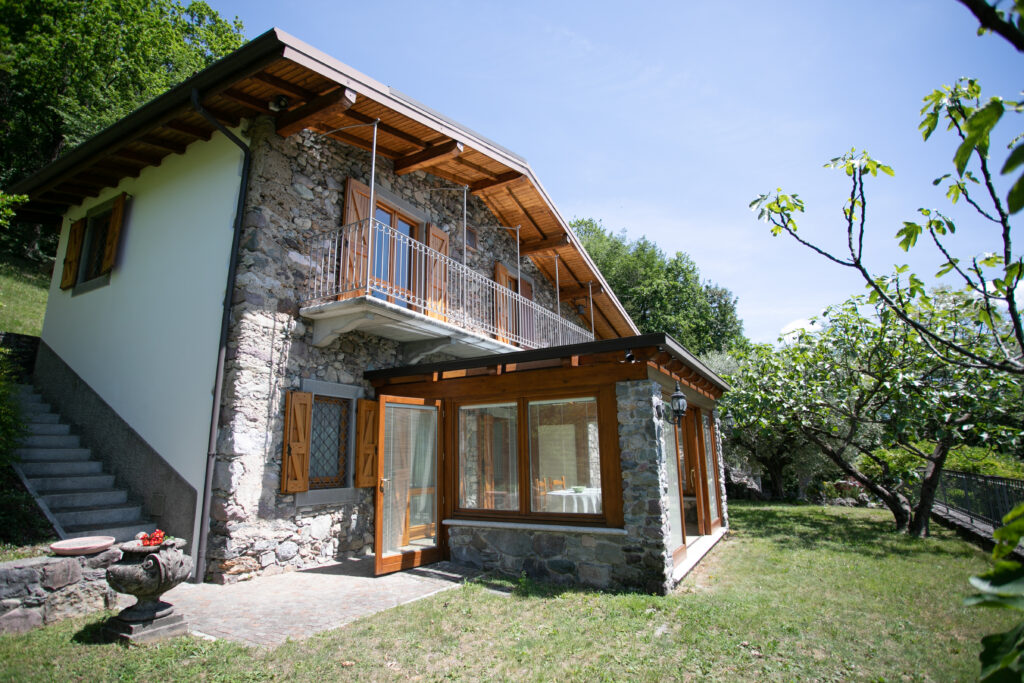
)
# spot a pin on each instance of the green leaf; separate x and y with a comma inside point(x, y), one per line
point(1001, 655)
point(909, 234)
point(1005, 579)
point(1015, 159)
point(1015, 197)
point(950, 265)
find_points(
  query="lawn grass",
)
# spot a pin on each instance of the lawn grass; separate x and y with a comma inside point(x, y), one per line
point(24, 289)
point(794, 593)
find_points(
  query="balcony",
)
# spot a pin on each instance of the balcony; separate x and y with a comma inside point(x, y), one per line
point(368, 276)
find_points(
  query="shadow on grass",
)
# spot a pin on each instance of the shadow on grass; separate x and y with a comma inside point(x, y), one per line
point(91, 634)
point(811, 527)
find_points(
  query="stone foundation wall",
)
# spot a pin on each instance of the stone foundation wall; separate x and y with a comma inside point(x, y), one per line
point(636, 558)
point(565, 557)
point(44, 590)
point(296, 189)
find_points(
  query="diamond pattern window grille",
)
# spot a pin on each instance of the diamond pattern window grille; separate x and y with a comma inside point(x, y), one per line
point(328, 453)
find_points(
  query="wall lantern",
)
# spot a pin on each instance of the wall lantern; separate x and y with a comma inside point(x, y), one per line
point(678, 401)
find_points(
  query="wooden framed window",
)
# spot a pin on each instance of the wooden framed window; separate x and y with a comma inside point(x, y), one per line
point(321, 437)
point(543, 456)
point(471, 238)
point(93, 243)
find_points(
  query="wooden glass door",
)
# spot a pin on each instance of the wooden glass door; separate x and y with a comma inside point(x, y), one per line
point(407, 510)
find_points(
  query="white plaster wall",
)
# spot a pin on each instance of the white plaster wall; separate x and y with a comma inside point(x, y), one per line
point(147, 342)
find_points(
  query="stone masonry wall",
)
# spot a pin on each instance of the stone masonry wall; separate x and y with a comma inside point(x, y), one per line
point(43, 590)
point(296, 188)
point(637, 559)
point(721, 467)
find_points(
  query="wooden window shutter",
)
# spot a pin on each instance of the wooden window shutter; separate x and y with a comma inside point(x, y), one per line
point(357, 201)
point(113, 234)
point(298, 414)
point(366, 444)
point(73, 254)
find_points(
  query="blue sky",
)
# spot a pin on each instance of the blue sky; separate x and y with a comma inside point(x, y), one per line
point(667, 118)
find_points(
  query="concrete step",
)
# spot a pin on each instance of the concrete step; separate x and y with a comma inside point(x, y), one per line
point(107, 515)
point(51, 441)
point(48, 428)
point(60, 468)
point(42, 418)
point(28, 399)
point(85, 498)
point(72, 483)
point(35, 407)
point(121, 533)
point(33, 454)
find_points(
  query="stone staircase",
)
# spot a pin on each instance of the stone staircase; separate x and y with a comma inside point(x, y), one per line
point(72, 490)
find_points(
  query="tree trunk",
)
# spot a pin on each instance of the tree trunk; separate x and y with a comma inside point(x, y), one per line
point(929, 485)
point(774, 472)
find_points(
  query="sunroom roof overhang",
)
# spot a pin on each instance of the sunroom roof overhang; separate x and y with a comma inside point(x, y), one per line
point(278, 75)
point(658, 350)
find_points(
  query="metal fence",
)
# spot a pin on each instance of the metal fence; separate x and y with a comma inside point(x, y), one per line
point(982, 497)
point(368, 258)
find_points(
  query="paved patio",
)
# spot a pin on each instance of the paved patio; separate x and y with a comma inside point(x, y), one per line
point(267, 610)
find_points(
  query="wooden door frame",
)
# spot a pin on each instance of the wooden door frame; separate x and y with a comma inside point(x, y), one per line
point(714, 516)
point(692, 422)
point(412, 558)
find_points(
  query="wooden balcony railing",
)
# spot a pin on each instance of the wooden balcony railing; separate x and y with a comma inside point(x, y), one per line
point(368, 258)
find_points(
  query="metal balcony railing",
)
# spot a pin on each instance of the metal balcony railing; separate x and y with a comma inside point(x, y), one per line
point(368, 258)
point(980, 496)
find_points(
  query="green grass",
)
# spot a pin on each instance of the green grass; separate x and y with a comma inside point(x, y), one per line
point(795, 593)
point(23, 292)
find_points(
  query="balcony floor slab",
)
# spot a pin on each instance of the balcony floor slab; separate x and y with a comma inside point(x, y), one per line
point(372, 315)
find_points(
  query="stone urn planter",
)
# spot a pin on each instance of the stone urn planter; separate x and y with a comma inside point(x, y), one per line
point(147, 572)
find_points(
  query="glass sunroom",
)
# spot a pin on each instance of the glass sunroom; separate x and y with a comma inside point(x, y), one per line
point(566, 463)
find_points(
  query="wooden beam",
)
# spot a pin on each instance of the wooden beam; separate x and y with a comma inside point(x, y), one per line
point(37, 206)
point(284, 86)
point(462, 161)
point(62, 197)
point(364, 144)
point(95, 180)
point(526, 214)
point(315, 112)
point(141, 157)
point(75, 188)
point(543, 246)
point(428, 157)
point(197, 132)
point(227, 118)
point(43, 218)
point(498, 181)
point(156, 141)
point(247, 100)
point(120, 170)
point(384, 128)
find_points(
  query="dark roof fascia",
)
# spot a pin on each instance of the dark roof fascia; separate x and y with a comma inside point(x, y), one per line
point(603, 346)
point(238, 62)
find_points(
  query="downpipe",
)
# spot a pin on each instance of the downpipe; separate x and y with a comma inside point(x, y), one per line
point(225, 323)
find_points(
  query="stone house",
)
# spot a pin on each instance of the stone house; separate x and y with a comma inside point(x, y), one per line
point(284, 377)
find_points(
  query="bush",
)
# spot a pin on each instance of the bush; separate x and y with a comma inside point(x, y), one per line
point(11, 424)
